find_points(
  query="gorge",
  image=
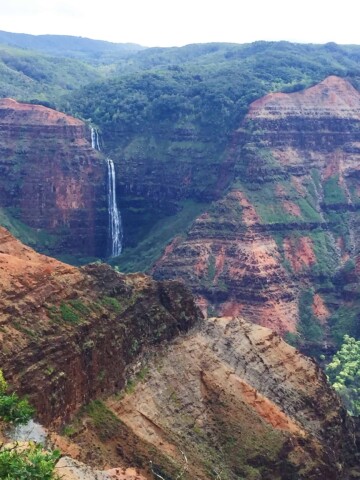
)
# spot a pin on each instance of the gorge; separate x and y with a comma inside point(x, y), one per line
point(237, 171)
point(226, 395)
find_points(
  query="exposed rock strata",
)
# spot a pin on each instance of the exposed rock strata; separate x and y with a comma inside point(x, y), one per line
point(291, 218)
point(225, 398)
point(67, 335)
point(231, 399)
point(51, 178)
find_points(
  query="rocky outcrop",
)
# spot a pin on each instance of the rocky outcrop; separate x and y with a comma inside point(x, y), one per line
point(290, 220)
point(232, 267)
point(67, 335)
point(52, 180)
point(225, 397)
point(70, 469)
point(228, 400)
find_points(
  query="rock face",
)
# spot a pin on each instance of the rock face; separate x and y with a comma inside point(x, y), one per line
point(51, 178)
point(290, 221)
point(70, 469)
point(67, 335)
point(225, 398)
point(232, 400)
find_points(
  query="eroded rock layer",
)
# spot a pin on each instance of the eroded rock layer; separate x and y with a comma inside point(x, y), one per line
point(290, 222)
point(52, 180)
point(231, 400)
point(67, 335)
point(226, 398)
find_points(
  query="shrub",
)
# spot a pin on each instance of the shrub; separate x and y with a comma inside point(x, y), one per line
point(15, 410)
point(3, 383)
point(27, 463)
point(344, 374)
point(12, 408)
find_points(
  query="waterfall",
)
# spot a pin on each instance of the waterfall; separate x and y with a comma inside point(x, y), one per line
point(115, 224)
point(95, 139)
point(116, 234)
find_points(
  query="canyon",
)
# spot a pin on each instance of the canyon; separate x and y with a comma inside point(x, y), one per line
point(250, 238)
point(288, 224)
point(147, 387)
point(272, 228)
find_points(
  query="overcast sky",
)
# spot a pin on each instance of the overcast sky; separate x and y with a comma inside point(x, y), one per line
point(180, 22)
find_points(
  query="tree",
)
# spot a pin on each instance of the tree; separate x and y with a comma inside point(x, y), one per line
point(344, 374)
point(12, 408)
point(25, 461)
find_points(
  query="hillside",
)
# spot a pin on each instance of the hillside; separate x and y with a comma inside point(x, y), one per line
point(93, 51)
point(274, 247)
point(194, 165)
point(28, 75)
point(224, 396)
point(167, 128)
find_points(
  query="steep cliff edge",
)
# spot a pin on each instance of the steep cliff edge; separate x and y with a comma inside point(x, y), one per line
point(67, 335)
point(53, 184)
point(224, 398)
point(230, 400)
point(290, 221)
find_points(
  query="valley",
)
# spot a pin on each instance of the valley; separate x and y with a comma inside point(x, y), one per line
point(179, 254)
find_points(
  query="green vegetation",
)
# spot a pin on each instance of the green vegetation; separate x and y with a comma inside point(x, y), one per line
point(143, 256)
point(73, 311)
point(333, 193)
point(79, 306)
point(29, 463)
point(345, 320)
point(185, 86)
point(68, 313)
point(94, 51)
point(326, 257)
point(12, 408)
point(272, 209)
point(344, 374)
point(29, 236)
point(309, 327)
point(138, 378)
point(111, 303)
point(38, 78)
point(22, 462)
point(105, 422)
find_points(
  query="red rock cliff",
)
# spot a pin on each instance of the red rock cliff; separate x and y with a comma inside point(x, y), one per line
point(291, 218)
point(67, 335)
point(51, 178)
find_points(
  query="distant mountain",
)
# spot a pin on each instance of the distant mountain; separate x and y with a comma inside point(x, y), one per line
point(97, 51)
point(32, 76)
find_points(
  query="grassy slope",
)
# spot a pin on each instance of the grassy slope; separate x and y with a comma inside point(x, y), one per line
point(144, 255)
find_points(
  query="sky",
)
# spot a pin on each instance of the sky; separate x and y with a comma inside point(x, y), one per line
point(168, 23)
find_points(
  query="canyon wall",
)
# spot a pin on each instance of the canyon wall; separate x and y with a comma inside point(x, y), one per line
point(67, 335)
point(289, 222)
point(52, 181)
point(225, 397)
point(229, 400)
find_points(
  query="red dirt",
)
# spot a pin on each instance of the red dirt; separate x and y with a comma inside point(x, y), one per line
point(299, 252)
point(34, 114)
point(320, 309)
point(291, 208)
point(333, 97)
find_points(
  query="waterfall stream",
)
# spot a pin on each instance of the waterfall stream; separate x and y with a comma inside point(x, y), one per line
point(116, 234)
point(115, 224)
point(95, 139)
